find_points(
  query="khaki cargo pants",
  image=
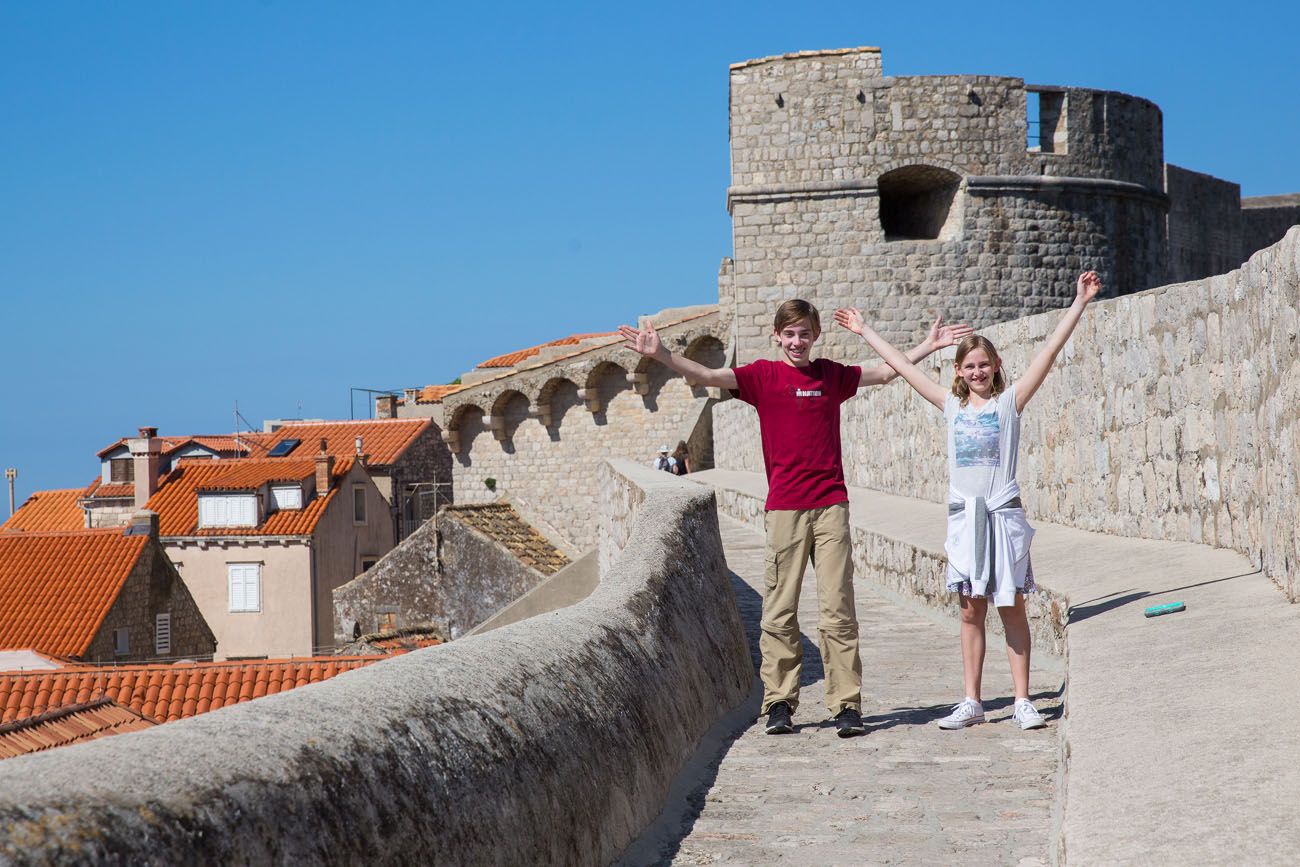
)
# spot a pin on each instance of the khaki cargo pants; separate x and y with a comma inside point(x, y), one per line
point(792, 537)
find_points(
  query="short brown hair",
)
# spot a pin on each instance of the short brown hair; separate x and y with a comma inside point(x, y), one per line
point(968, 345)
point(793, 311)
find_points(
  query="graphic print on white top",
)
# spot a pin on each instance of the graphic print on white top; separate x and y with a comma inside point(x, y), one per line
point(975, 439)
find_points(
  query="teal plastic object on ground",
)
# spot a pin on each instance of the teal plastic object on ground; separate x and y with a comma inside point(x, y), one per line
point(1169, 608)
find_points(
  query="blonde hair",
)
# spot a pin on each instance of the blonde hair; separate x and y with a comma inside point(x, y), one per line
point(968, 345)
point(793, 311)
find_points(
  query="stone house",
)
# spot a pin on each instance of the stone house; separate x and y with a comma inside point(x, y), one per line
point(450, 575)
point(263, 542)
point(406, 459)
point(101, 596)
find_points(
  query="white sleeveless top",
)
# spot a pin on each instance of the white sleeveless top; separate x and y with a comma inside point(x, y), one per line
point(983, 449)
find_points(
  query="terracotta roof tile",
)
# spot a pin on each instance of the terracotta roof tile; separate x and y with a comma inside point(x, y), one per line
point(177, 500)
point(97, 488)
point(67, 725)
point(499, 521)
point(56, 588)
point(166, 692)
point(435, 393)
point(384, 440)
point(250, 443)
point(48, 510)
point(510, 359)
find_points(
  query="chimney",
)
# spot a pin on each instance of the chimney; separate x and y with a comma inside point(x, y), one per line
point(324, 470)
point(386, 406)
point(143, 523)
point(146, 455)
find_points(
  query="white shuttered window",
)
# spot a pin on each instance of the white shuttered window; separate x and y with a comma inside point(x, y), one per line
point(288, 497)
point(245, 586)
point(227, 510)
point(162, 633)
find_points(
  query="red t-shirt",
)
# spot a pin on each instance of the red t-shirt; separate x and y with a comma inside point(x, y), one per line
point(799, 419)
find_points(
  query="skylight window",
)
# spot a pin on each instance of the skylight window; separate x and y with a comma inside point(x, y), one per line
point(283, 447)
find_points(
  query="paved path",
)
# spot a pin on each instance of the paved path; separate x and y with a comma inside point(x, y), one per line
point(1181, 730)
point(907, 792)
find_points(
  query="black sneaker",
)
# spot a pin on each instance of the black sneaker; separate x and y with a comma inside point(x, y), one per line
point(849, 723)
point(778, 719)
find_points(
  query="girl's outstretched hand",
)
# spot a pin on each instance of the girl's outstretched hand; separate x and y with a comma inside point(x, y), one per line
point(850, 318)
point(1088, 286)
point(948, 335)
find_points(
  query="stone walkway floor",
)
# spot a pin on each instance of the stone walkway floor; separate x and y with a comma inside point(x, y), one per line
point(907, 792)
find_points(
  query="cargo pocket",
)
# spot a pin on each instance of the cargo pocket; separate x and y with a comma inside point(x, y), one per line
point(771, 569)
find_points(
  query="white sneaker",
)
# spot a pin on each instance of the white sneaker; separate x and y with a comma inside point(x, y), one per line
point(1027, 715)
point(968, 713)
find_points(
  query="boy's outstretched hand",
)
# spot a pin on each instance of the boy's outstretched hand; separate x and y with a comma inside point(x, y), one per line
point(850, 318)
point(948, 335)
point(645, 341)
point(1088, 286)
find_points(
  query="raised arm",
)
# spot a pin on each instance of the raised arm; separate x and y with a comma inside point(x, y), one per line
point(940, 336)
point(851, 318)
point(1086, 289)
point(646, 341)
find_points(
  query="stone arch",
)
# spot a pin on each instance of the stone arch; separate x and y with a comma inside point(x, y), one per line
point(708, 351)
point(557, 396)
point(508, 411)
point(919, 202)
point(467, 422)
point(603, 383)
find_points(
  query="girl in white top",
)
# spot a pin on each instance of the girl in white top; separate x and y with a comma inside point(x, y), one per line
point(988, 535)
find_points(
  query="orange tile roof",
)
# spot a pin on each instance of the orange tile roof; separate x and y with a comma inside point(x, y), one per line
point(435, 393)
point(249, 443)
point(68, 725)
point(384, 440)
point(166, 692)
point(510, 359)
point(177, 499)
point(56, 588)
point(97, 488)
point(48, 510)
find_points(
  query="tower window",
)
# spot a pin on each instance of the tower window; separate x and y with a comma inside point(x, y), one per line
point(916, 203)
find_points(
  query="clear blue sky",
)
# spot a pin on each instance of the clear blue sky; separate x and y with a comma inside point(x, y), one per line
point(271, 202)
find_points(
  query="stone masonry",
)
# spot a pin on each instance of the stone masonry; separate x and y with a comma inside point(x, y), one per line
point(976, 196)
point(536, 432)
point(452, 573)
point(1171, 414)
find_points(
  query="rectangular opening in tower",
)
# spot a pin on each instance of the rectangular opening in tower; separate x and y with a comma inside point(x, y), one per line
point(1045, 117)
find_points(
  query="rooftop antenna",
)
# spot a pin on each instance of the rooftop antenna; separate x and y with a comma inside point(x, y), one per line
point(11, 474)
point(237, 446)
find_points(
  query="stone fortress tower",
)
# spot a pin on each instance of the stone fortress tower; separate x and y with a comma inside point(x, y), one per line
point(976, 196)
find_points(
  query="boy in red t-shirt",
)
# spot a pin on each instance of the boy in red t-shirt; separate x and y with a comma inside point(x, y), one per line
point(807, 511)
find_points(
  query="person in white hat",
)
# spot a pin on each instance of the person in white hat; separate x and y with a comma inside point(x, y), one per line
point(665, 461)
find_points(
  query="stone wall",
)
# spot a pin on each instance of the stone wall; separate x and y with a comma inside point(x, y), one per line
point(539, 433)
point(1171, 414)
point(1265, 220)
point(154, 587)
point(911, 196)
point(421, 481)
point(447, 574)
point(495, 749)
point(1204, 225)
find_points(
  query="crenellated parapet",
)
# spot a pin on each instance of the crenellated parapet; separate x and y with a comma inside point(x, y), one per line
point(590, 375)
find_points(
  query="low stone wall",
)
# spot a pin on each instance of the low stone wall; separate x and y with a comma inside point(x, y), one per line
point(1171, 414)
point(914, 572)
point(549, 741)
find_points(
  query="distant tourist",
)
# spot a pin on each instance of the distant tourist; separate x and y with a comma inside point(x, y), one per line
point(665, 461)
point(988, 534)
point(798, 402)
point(683, 458)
